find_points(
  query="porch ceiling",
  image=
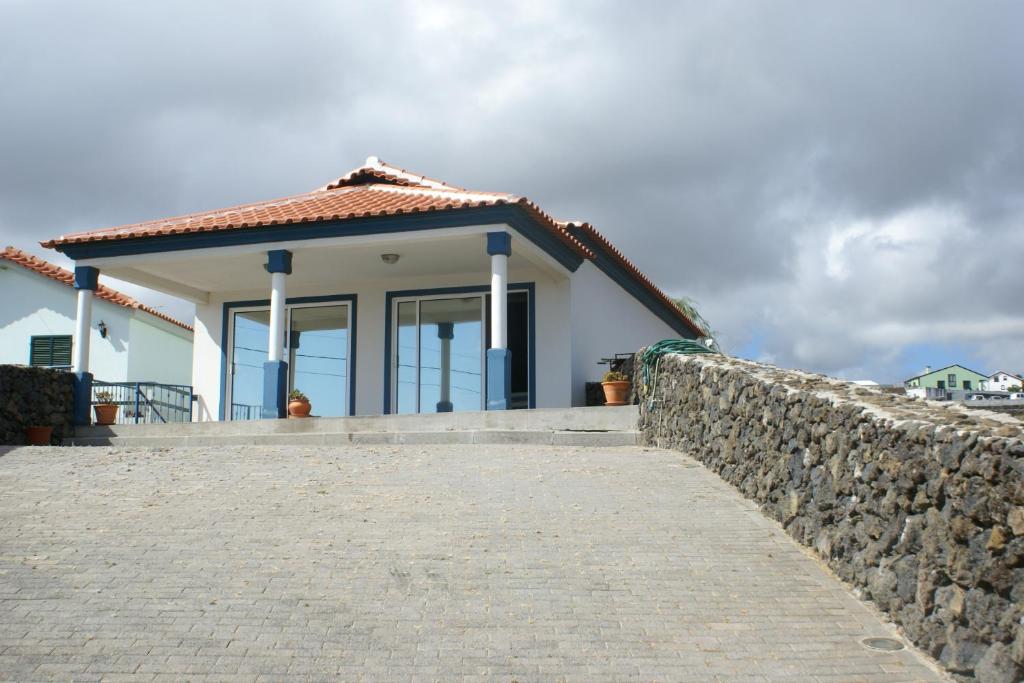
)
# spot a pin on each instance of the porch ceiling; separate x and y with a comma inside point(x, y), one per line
point(195, 274)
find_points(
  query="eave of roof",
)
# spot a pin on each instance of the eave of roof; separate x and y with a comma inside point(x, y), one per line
point(376, 190)
point(620, 258)
point(64, 276)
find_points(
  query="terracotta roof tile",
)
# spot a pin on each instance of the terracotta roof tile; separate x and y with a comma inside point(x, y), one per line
point(62, 275)
point(375, 189)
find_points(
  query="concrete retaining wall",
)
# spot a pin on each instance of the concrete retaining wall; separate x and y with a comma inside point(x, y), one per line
point(919, 505)
point(31, 397)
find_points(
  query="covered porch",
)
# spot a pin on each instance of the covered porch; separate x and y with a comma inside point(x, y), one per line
point(442, 319)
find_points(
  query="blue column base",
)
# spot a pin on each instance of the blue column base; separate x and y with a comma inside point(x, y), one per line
point(82, 395)
point(445, 407)
point(275, 389)
point(499, 379)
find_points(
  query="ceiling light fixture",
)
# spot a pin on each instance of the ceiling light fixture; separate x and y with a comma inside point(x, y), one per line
point(390, 259)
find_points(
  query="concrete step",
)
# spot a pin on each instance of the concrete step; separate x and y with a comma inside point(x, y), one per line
point(602, 426)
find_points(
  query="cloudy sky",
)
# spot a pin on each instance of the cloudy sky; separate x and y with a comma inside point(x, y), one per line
point(840, 186)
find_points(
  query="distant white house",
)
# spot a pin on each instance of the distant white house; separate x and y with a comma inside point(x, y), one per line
point(385, 291)
point(129, 342)
point(1002, 381)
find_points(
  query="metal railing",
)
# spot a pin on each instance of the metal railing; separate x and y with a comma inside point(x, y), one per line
point(242, 411)
point(146, 402)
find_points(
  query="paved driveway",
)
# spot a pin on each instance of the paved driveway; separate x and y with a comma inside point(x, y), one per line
point(410, 563)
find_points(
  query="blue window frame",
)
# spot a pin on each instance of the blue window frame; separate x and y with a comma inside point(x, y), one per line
point(232, 306)
point(483, 290)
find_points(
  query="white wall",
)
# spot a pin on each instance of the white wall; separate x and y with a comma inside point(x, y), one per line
point(161, 351)
point(36, 305)
point(552, 335)
point(606, 320)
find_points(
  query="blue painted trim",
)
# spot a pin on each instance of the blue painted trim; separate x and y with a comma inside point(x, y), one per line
point(499, 243)
point(353, 301)
point(279, 261)
point(622, 277)
point(513, 215)
point(445, 407)
point(499, 379)
point(527, 287)
point(275, 390)
point(87, 277)
point(446, 330)
point(82, 399)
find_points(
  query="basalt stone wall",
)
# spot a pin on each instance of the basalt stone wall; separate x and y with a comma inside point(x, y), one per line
point(34, 397)
point(919, 505)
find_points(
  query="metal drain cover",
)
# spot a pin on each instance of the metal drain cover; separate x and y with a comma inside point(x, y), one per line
point(884, 644)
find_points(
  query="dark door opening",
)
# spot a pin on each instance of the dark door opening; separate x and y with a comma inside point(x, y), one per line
point(518, 346)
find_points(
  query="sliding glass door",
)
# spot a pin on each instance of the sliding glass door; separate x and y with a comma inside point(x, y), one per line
point(439, 354)
point(317, 346)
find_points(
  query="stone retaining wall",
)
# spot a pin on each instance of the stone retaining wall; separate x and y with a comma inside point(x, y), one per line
point(919, 505)
point(31, 397)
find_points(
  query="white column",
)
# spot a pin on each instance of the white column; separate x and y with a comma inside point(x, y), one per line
point(83, 325)
point(277, 317)
point(499, 301)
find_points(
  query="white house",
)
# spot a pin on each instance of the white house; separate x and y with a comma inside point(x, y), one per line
point(385, 291)
point(1002, 381)
point(128, 341)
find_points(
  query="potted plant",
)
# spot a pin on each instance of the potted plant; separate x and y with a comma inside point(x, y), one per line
point(105, 408)
point(616, 388)
point(38, 436)
point(298, 404)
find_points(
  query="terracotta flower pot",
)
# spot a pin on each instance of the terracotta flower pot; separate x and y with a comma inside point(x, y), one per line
point(616, 393)
point(38, 436)
point(106, 413)
point(299, 408)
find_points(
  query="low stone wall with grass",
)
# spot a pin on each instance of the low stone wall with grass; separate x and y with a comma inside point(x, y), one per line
point(34, 397)
point(919, 505)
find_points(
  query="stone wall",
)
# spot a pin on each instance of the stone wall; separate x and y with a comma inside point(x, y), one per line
point(919, 505)
point(31, 397)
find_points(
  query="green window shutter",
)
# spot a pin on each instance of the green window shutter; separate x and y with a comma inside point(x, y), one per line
point(50, 351)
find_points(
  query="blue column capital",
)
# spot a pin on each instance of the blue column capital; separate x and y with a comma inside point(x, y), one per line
point(87, 277)
point(446, 330)
point(499, 243)
point(279, 261)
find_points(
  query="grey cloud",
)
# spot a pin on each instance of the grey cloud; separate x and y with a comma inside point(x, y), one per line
point(718, 144)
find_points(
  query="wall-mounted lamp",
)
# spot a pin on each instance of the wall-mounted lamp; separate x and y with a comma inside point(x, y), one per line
point(390, 259)
point(103, 329)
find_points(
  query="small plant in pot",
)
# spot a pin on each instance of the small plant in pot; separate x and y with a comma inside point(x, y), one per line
point(105, 408)
point(298, 404)
point(616, 388)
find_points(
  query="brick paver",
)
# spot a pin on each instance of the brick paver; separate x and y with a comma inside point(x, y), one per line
point(410, 564)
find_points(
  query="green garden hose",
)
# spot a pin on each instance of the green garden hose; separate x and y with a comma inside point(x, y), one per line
point(651, 357)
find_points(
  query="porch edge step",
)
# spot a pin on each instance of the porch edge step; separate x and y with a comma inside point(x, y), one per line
point(477, 436)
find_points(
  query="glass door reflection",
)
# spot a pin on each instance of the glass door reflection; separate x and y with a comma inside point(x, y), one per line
point(318, 347)
point(248, 353)
point(439, 355)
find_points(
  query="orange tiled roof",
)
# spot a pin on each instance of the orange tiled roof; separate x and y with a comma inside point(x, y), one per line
point(373, 190)
point(54, 272)
point(370, 191)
